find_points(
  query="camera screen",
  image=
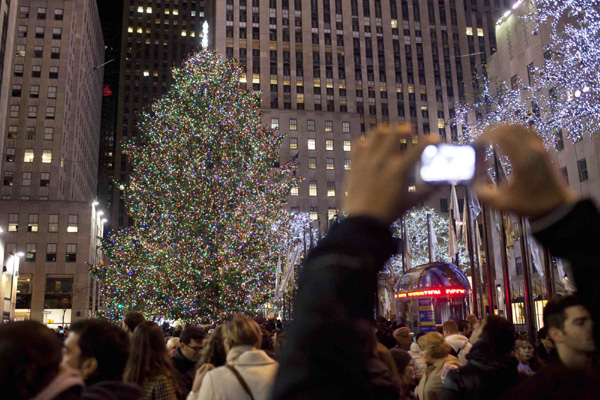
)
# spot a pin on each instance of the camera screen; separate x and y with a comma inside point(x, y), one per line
point(447, 163)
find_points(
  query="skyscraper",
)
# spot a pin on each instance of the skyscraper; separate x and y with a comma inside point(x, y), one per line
point(50, 157)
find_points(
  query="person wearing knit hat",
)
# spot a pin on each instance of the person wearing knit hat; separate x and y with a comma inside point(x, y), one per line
point(402, 336)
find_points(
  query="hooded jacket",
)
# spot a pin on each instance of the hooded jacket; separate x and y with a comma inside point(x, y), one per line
point(461, 346)
point(487, 376)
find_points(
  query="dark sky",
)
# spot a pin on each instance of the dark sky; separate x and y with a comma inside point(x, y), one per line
point(111, 15)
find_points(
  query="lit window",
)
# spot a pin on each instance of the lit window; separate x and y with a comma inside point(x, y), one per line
point(183, 33)
point(328, 126)
point(331, 213)
point(312, 189)
point(293, 124)
point(441, 123)
point(275, 123)
point(72, 226)
point(394, 23)
point(312, 163)
point(139, 30)
point(480, 32)
point(130, 29)
point(175, 12)
point(294, 191)
point(146, 73)
point(314, 216)
point(300, 98)
point(32, 224)
point(28, 156)
point(148, 10)
point(293, 143)
point(140, 9)
point(312, 144)
point(330, 164)
point(47, 157)
point(71, 252)
point(347, 145)
point(347, 164)
point(469, 31)
point(329, 144)
point(193, 13)
point(167, 11)
point(13, 222)
point(330, 189)
point(31, 252)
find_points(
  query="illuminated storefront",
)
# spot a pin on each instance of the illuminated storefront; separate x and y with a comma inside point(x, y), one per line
point(430, 294)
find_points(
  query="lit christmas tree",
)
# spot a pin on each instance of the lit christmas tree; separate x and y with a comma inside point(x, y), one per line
point(206, 201)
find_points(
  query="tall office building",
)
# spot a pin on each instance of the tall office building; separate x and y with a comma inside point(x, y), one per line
point(156, 36)
point(50, 158)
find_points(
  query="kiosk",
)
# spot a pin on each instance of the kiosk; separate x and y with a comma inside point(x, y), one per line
point(431, 294)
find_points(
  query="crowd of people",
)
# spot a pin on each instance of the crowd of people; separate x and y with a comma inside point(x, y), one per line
point(333, 349)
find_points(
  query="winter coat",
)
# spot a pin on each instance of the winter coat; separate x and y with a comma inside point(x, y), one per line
point(461, 346)
point(417, 354)
point(255, 367)
point(160, 387)
point(486, 376)
point(431, 383)
point(112, 390)
point(186, 368)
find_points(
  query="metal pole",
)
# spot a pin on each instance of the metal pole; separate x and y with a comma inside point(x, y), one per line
point(429, 239)
point(529, 310)
point(467, 225)
point(549, 274)
point(404, 241)
point(489, 262)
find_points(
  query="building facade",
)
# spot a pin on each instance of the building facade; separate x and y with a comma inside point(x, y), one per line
point(50, 138)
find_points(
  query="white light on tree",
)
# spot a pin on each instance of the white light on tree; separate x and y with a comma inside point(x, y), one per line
point(205, 35)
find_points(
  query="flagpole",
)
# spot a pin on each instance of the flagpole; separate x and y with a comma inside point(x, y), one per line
point(468, 226)
point(488, 261)
point(429, 239)
point(505, 274)
point(530, 312)
point(403, 226)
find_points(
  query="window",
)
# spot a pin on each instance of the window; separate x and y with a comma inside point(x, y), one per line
point(53, 223)
point(294, 191)
point(480, 32)
point(24, 12)
point(32, 223)
point(52, 92)
point(41, 13)
point(50, 112)
point(294, 143)
point(28, 157)
point(48, 133)
point(14, 111)
point(36, 71)
point(314, 215)
point(8, 179)
point(53, 74)
point(275, 123)
point(582, 167)
point(469, 31)
point(312, 144)
point(514, 82)
point(16, 90)
point(30, 130)
point(347, 145)
point(329, 162)
point(45, 179)
point(71, 252)
point(72, 226)
point(58, 14)
point(312, 189)
point(12, 131)
point(31, 252)
point(38, 51)
point(22, 31)
point(346, 127)
point(11, 154)
point(57, 33)
point(559, 142)
point(347, 164)
point(330, 189)
point(329, 144)
point(34, 91)
point(19, 69)
point(312, 163)
point(55, 53)
point(331, 213)
point(565, 175)
point(310, 125)
point(51, 252)
point(26, 179)
point(39, 32)
point(328, 126)
point(13, 222)
point(293, 124)
point(46, 156)
point(59, 293)
point(32, 112)
point(444, 205)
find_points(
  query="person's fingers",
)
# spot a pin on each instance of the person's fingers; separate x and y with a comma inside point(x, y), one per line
point(413, 153)
point(421, 193)
point(492, 196)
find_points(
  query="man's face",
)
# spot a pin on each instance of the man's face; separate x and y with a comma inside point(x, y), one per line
point(577, 334)
point(193, 350)
point(71, 351)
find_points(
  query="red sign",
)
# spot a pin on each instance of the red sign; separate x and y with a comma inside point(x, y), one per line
point(433, 292)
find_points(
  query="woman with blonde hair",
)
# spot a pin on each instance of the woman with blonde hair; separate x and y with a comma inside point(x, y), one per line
point(436, 353)
point(149, 364)
point(249, 371)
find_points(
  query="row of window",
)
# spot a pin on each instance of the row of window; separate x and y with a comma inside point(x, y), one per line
point(329, 162)
point(28, 156)
point(26, 179)
point(38, 51)
point(36, 71)
point(34, 91)
point(32, 111)
point(59, 13)
point(581, 169)
point(33, 223)
point(30, 131)
point(332, 212)
point(310, 125)
point(51, 252)
point(312, 189)
point(311, 144)
point(40, 32)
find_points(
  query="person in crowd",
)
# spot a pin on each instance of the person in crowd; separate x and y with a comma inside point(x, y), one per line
point(323, 357)
point(192, 342)
point(406, 371)
point(278, 343)
point(383, 371)
point(436, 352)
point(416, 352)
point(403, 338)
point(99, 351)
point(249, 372)
point(491, 372)
point(131, 320)
point(545, 350)
point(464, 328)
point(525, 353)
point(149, 365)
point(214, 351)
point(30, 355)
point(473, 321)
point(460, 344)
point(172, 346)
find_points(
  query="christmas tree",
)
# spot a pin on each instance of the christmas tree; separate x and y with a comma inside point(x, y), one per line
point(206, 201)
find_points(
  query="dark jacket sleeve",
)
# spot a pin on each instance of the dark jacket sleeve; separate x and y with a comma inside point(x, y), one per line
point(452, 386)
point(576, 238)
point(328, 343)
